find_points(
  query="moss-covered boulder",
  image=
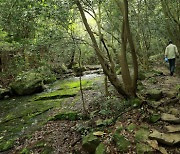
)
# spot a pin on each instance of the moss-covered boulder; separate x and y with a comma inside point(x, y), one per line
point(90, 143)
point(121, 142)
point(154, 94)
point(27, 83)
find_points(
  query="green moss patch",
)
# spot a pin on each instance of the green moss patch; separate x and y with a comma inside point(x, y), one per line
point(58, 94)
point(131, 127)
point(121, 142)
point(6, 145)
point(142, 148)
point(101, 149)
point(141, 135)
point(69, 116)
point(106, 122)
point(65, 89)
point(70, 84)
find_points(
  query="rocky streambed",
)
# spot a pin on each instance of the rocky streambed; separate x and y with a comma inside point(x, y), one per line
point(20, 116)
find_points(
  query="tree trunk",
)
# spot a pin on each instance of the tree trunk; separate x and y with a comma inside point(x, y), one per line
point(108, 70)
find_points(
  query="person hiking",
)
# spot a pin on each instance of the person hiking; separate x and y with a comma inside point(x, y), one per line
point(171, 53)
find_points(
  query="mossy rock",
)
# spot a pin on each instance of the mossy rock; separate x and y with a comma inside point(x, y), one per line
point(121, 143)
point(90, 143)
point(72, 116)
point(154, 118)
point(27, 83)
point(141, 135)
point(101, 149)
point(142, 148)
point(57, 94)
point(154, 94)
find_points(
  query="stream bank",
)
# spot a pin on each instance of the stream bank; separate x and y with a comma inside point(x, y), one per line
point(114, 125)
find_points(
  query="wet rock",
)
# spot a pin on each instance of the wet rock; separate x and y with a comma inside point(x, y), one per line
point(168, 139)
point(90, 143)
point(154, 94)
point(170, 118)
point(57, 95)
point(173, 128)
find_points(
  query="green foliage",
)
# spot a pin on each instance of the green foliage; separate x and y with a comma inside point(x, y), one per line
point(131, 127)
point(72, 116)
point(6, 145)
point(154, 118)
point(100, 149)
point(142, 148)
point(121, 142)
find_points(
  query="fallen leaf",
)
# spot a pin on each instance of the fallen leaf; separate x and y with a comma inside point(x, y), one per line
point(99, 133)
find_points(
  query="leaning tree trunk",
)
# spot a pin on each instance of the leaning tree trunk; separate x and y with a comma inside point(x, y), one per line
point(107, 68)
point(130, 82)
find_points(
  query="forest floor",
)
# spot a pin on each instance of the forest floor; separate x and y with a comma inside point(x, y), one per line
point(109, 116)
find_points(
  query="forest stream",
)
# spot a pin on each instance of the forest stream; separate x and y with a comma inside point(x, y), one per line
point(20, 116)
point(52, 121)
